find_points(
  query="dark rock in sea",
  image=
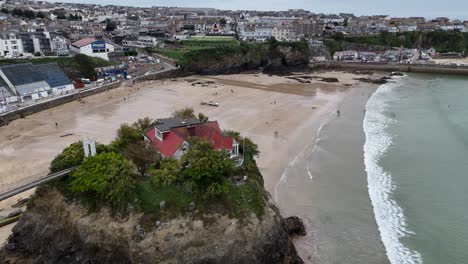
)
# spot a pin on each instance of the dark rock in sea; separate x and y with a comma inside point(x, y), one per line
point(382, 80)
point(294, 226)
point(329, 80)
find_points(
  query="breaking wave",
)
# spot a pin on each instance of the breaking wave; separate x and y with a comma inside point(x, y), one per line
point(388, 214)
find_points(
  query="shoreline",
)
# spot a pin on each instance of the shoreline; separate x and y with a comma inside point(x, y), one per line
point(334, 200)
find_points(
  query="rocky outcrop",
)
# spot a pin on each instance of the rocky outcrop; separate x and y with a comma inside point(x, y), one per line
point(294, 226)
point(56, 230)
point(274, 58)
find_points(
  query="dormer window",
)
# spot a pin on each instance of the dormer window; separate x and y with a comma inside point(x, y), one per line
point(159, 134)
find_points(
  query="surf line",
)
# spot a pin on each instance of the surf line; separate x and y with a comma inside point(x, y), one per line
point(291, 164)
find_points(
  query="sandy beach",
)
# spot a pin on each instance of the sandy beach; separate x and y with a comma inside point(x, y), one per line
point(254, 104)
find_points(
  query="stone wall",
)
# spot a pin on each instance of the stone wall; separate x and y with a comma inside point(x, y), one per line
point(417, 68)
point(173, 73)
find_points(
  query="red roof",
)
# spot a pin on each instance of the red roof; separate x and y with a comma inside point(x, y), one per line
point(83, 42)
point(173, 139)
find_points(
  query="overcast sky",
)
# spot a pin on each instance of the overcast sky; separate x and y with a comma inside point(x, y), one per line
point(426, 8)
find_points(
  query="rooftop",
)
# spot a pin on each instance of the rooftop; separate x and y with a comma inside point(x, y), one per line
point(83, 42)
point(166, 124)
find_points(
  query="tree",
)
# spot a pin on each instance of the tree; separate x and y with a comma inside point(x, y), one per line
point(222, 22)
point(126, 135)
point(167, 173)
point(203, 118)
point(85, 65)
point(130, 53)
point(207, 169)
point(107, 179)
point(111, 25)
point(142, 154)
point(40, 15)
point(143, 124)
point(29, 14)
point(71, 156)
point(18, 12)
point(185, 113)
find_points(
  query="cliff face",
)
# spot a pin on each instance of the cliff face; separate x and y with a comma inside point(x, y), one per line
point(54, 230)
point(274, 58)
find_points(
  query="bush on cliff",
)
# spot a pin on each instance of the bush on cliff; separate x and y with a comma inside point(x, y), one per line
point(142, 154)
point(126, 134)
point(105, 179)
point(207, 169)
point(71, 156)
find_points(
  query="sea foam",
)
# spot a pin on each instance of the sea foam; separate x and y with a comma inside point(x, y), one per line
point(388, 214)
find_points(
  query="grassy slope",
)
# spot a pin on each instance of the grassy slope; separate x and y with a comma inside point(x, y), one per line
point(69, 64)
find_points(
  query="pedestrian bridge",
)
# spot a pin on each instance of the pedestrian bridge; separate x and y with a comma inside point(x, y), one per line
point(29, 185)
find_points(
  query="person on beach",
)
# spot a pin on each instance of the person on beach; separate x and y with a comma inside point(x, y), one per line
point(338, 113)
point(56, 124)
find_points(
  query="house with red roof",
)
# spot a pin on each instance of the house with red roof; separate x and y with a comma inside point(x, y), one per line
point(170, 135)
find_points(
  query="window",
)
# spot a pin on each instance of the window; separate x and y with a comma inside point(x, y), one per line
point(159, 134)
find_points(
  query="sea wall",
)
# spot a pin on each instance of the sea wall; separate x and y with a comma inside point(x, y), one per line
point(7, 117)
point(417, 68)
point(173, 73)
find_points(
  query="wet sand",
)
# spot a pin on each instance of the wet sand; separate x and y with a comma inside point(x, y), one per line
point(254, 104)
point(327, 186)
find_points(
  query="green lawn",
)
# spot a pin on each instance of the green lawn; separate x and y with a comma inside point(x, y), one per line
point(177, 200)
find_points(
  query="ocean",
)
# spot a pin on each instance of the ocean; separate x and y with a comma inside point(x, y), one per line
point(416, 159)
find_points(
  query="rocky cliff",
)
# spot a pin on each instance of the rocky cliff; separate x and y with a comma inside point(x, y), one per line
point(57, 230)
point(273, 57)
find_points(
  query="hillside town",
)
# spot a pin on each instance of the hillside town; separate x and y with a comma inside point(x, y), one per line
point(30, 28)
point(126, 41)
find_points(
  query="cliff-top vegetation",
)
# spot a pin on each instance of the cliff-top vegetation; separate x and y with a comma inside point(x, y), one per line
point(129, 175)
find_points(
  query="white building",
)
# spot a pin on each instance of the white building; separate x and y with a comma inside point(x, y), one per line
point(93, 48)
point(348, 55)
point(11, 47)
point(283, 33)
point(141, 42)
point(59, 45)
point(255, 32)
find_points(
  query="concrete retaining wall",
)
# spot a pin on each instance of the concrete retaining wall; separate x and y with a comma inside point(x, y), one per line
point(158, 76)
point(418, 68)
point(41, 106)
point(158, 56)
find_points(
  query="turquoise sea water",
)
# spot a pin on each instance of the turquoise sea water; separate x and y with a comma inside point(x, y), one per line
point(416, 158)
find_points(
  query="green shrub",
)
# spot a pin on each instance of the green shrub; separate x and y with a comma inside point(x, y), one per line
point(71, 156)
point(105, 179)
